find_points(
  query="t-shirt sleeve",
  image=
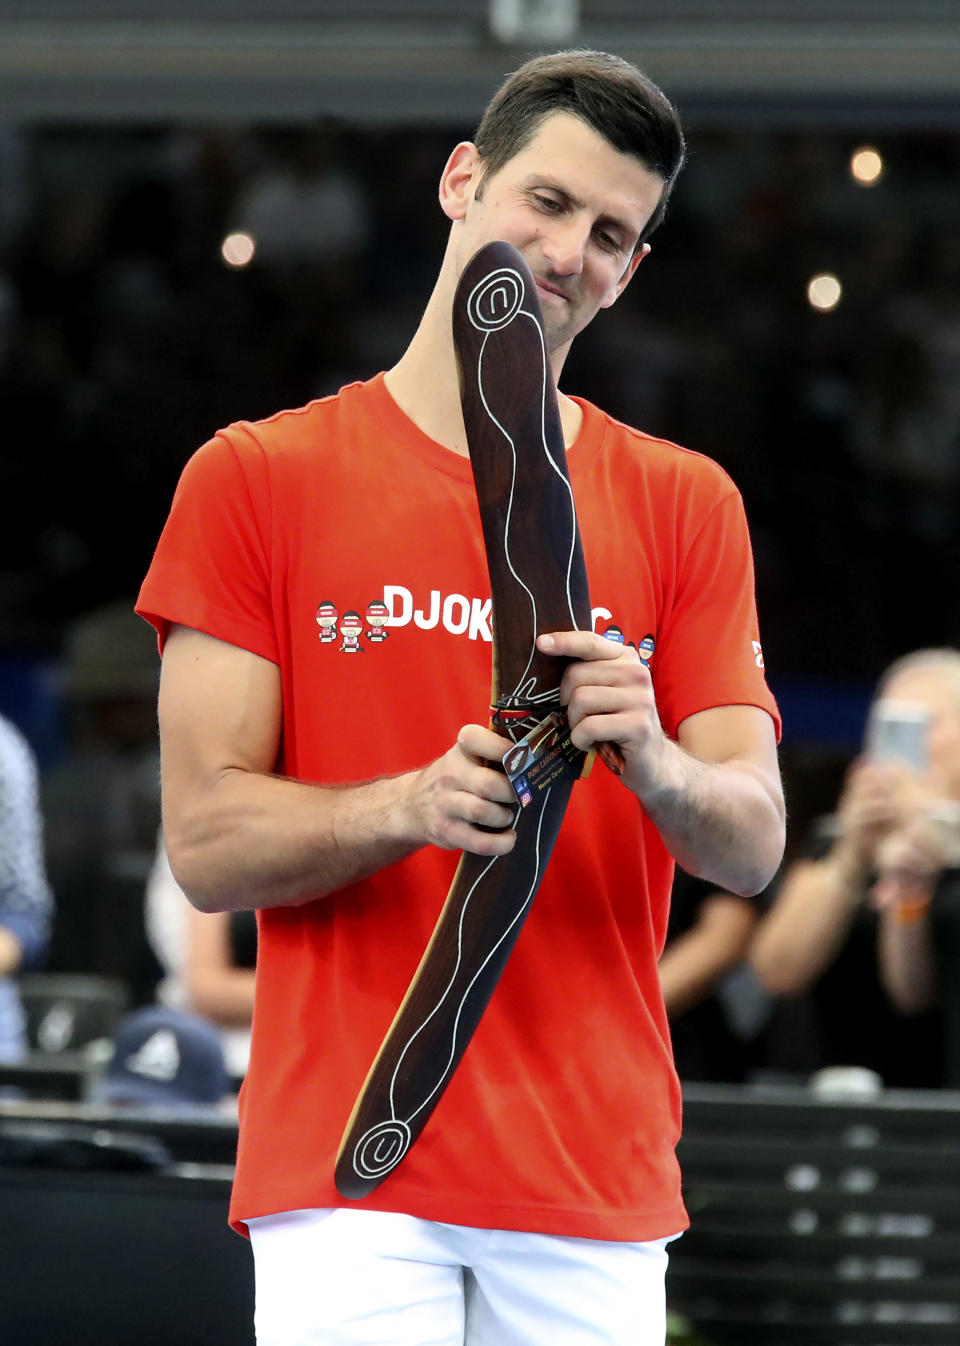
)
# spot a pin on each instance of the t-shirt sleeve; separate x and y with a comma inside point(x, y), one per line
point(709, 653)
point(211, 568)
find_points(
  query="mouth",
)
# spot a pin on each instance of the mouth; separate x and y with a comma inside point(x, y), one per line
point(545, 287)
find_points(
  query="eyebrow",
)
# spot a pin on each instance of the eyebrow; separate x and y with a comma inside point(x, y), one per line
point(576, 203)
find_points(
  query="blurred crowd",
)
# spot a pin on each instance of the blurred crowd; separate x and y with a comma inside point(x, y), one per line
point(127, 339)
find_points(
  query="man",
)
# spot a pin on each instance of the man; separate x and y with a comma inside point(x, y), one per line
point(333, 794)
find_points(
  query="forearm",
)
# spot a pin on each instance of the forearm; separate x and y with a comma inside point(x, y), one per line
point(263, 841)
point(225, 996)
point(808, 923)
point(240, 838)
point(692, 964)
point(907, 966)
point(722, 822)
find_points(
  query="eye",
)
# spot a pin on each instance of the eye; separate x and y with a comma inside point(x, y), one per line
point(547, 204)
point(609, 242)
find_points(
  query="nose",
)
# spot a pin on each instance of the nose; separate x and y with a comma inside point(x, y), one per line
point(564, 244)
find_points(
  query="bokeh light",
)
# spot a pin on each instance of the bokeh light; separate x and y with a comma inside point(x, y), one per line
point(866, 166)
point(238, 249)
point(824, 292)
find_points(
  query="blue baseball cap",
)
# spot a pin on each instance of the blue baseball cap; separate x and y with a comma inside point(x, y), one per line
point(166, 1057)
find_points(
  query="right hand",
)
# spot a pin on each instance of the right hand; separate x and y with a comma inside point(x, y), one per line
point(460, 795)
point(877, 798)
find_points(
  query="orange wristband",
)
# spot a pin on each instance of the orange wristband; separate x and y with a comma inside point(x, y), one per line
point(912, 909)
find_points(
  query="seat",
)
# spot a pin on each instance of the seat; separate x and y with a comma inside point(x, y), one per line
point(66, 1011)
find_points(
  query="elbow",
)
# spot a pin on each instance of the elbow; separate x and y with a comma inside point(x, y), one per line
point(192, 878)
point(210, 903)
point(754, 853)
point(752, 868)
point(751, 881)
point(767, 857)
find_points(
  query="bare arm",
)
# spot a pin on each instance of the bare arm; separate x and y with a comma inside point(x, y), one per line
point(808, 923)
point(714, 795)
point(239, 836)
point(910, 863)
point(817, 901)
point(692, 964)
point(907, 966)
point(217, 988)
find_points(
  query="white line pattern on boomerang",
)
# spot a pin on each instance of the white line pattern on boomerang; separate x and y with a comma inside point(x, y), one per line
point(453, 976)
point(561, 474)
point(466, 994)
point(560, 471)
point(506, 528)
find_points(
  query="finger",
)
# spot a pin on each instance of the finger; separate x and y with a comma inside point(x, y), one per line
point(482, 812)
point(625, 680)
point(597, 729)
point(584, 645)
point(600, 700)
point(477, 842)
point(492, 786)
point(482, 744)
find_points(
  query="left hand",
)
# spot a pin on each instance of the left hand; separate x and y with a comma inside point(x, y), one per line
point(909, 861)
point(609, 697)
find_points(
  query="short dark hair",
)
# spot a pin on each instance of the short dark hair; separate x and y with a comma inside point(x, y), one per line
point(609, 94)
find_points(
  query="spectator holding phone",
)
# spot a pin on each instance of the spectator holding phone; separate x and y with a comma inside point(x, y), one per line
point(871, 872)
point(918, 863)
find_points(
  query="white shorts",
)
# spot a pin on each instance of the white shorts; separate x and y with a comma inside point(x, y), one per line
point(345, 1277)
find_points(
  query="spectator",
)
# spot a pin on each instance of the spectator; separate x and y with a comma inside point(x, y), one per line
point(714, 1018)
point(102, 801)
point(25, 900)
point(918, 890)
point(209, 959)
point(820, 936)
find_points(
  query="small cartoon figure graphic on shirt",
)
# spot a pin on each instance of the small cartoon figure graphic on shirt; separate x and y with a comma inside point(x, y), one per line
point(351, 628)
point(377, 616)
point(646, 648)
point(327, 622)
point(613, 632)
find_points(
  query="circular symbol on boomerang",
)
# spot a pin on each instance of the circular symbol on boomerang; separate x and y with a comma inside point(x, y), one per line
point(495, 301)
point(381, 1148)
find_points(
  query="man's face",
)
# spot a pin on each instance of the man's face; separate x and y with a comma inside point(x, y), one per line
point(574, 207)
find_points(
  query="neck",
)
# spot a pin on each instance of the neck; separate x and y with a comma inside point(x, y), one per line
point(424, 382)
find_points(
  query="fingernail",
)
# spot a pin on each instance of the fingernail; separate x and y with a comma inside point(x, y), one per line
point(546, 642)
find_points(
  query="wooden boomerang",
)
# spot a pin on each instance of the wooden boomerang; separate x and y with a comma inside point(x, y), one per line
point(538, 583)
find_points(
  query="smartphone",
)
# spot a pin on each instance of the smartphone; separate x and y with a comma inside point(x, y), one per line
point(897, 732)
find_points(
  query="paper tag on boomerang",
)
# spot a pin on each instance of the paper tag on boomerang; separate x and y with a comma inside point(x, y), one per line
point(543, 757)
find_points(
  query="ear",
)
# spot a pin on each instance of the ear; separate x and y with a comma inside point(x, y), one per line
point(458, 180)
point(625, 279)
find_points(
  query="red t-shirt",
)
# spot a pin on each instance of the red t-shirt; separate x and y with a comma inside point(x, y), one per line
point(565, 1111)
